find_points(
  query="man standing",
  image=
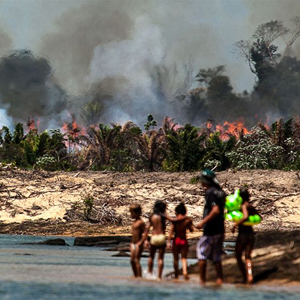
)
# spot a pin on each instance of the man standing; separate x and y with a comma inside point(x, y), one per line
point(210, 245)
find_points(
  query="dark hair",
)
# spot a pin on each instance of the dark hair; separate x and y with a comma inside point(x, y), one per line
point(180, 209)
point(136, 208)
point(159, 207)
point(244, 193)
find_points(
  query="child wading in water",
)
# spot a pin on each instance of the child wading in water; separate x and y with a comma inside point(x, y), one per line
point(180, 242)
point(246, 238)
point(136, 245)
point(158, 239)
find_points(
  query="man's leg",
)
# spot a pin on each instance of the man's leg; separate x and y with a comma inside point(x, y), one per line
point(219, 271)
point(202, 271)
point(203, 252)
point(217, 256)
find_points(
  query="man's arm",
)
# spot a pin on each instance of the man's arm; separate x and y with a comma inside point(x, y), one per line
point(213, 213)
point(191, 225)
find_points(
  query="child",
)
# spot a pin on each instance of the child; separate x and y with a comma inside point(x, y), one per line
point(158, 239)
point(136, 246)
point(180, 242)
point(246, 238)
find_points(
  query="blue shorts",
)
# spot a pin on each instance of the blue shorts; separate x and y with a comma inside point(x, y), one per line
point(210, 247)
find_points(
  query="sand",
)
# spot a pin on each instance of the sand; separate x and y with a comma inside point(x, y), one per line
point(52, 203)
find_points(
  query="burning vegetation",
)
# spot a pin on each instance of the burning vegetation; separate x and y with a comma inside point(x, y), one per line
point(171, 147)
point(236, 135)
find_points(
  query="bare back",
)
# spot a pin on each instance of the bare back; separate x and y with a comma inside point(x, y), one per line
point(180, 227)
point(157, 222)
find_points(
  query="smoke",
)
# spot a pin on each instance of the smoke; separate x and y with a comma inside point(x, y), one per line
point(27, 90)
point(5, 120)
point(133, 64)
point(133, 57)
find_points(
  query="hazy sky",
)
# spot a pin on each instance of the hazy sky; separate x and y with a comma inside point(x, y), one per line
point(92, 41)
point(202, 29)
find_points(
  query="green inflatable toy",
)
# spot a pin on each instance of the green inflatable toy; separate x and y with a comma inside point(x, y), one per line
point(235, 216)
point(233, 202)
point(252, 220)
point(233, 205)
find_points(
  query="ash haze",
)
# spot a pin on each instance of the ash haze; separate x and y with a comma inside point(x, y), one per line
point(133, 56)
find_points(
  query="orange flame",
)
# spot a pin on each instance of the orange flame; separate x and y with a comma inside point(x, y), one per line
point(33, 125)
point(229, 128)
point(73, 130)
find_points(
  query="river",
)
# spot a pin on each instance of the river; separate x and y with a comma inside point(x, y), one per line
point(67, 272)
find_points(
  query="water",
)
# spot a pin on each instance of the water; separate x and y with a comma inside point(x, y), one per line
point(59, 272)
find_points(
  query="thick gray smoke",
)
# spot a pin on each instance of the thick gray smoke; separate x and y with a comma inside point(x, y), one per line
point(27, 89)
point(132, 57)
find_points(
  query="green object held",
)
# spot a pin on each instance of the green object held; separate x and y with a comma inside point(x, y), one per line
point(233, 202)
point(252, 220)
point(234, 216)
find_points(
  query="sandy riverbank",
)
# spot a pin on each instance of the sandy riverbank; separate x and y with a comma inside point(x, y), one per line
point(44, 203)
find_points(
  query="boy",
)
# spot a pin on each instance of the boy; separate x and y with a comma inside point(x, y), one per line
point(180, 242)
point(246, 238)
point(210, 245)
point(136, 245)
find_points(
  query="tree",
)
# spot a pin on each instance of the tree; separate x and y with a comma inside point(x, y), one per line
point(92, 112)
point(221, 102)
point(185, 148)
point(261, 53)
point(150, 122)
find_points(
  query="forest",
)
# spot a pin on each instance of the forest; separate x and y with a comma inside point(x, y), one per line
point(237, 134)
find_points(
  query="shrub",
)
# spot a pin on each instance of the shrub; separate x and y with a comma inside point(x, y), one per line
point(255, 151)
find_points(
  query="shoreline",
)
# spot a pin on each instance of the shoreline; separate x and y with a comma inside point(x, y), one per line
point(276, 256)
point(52, 204)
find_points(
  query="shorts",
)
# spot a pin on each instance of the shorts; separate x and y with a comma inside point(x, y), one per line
point(210, 247)
point(180, 242)
point(158, 240)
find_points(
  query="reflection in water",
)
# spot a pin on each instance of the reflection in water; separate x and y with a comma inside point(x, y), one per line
point(60, 272)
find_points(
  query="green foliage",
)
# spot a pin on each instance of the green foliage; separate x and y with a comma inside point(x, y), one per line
point(255, 151)
point(216, 151)
point(150, 122)
point(92, 112)
point(195, 179)
point(47, 163)
point(27, 150)
point(18, 133)
point(119, 159)
point(170, 166)
point(88, 202)
point(185, 148)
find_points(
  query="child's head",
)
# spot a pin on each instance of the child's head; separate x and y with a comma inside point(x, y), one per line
point(159, 207)
point(244, 193)
point(135, 210)
point(180, 209)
